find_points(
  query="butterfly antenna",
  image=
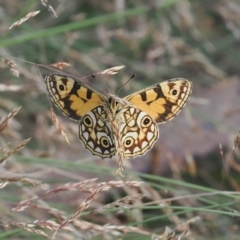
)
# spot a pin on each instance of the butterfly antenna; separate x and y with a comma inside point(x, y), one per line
point(125, 83)
point(94, 76)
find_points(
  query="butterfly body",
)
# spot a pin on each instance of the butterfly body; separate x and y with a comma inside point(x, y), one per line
point(108, 125)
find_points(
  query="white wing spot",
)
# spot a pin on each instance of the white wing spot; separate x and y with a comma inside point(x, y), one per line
point(182, 95)
point(131, 123)
point(132, 110)
point(92, 116)
point(140, 117)
point(99, 110)
point(112, 149)
point(136, 149)
point(144, 144)
point(134, 135)
point(90, 144)
point(152, 127)
point(149, 136)
point(106, 152)
point(100, 123)
point(128, 151)
point(98, 150)
point(83, 128)
point(86, 135)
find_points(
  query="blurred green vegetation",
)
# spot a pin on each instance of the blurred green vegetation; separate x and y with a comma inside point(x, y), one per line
point(156, 40)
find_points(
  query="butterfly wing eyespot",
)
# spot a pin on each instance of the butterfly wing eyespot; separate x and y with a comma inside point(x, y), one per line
point(96, 133)
point(87, 120)
point(105, 142)
point(61, 87)
point(128, 142)
point(173, 92)
point(72, 98)
point(162, 101)
point(146, 122)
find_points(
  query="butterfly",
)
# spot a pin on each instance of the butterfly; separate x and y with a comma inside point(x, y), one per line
point(108, 124)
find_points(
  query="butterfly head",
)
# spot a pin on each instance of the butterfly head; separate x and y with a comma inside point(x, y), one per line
point(114, 105)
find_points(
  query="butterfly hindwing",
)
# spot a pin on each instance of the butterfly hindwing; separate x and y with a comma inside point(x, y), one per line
point(138, 132)
point(162, 101)
point(96, 133)
point(72, 98)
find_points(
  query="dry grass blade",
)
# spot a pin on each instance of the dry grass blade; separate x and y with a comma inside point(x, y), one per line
point(24, 204)
point(3, 184)
point(4, 121)
point(95, 192)
point(58, 125)
point(49, 7)
point(191, 164)
point(80, 186)
point(29, 227)
point(60, 65)
point(24, 180)
point(12, 66)
point(82, 207)
point(118, 184)
point(83, 186)
point(85, 205)
point(221, 154)
point(125, 202)
point(184, 226)
point(14, 150)
point(50, 225)
point(90, 186)
point(108, 229)
point(57, 214)
point(12, 88)
point(24, 19)
point(111, 71)
point(229, 161)
point(237, 139)
point(125, 229)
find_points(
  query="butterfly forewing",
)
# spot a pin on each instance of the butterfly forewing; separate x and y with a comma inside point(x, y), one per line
point(72, 98)
point(162, 101)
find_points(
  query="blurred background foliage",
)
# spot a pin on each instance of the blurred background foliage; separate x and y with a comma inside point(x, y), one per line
point(156, 40)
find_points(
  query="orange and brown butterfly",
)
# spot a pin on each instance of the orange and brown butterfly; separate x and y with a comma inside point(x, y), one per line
point(108, 124)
